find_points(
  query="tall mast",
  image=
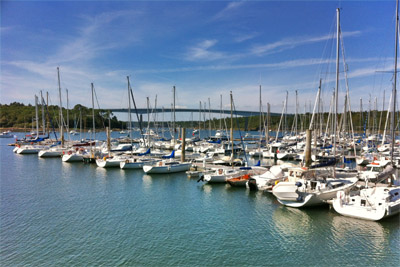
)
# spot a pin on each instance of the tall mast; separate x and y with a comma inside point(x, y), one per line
point(337, 81)
point(80, 123)
point(129, 109)
point(209, 116)
point(61, 115)
point(231, 127)
point(173, 124)
point(395, 80)
point(43, 118)
point(199, 118)
point(295, 123)
point(259, 130)
point(67, 110)
point(286, 102)
point(361, 115)
point(148, 122)
point(220, 114)
point(94, 123)
point(37, 116)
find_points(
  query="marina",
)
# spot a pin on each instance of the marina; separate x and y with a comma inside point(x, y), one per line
point(77, 213)
point(199, 134)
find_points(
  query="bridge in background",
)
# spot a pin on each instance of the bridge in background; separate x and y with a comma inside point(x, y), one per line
point(189, 110)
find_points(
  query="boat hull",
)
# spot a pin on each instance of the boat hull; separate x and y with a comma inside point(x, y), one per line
point(72, 158)
point(182, 167)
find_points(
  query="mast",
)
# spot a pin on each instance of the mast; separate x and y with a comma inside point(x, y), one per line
point(80, 123)
point(337, 82)
point(209, 116)
point(268, 121)
point(148, 122)
point(259, 126)
point(67, 110)
point(94, 123)
point(395, 81)
point(37, 116)
point(43, 117)
point(61, 115)
point(286, 102)
point(199, 118)
point(295, 129)
point(231, 128)
point(129, 111)
point(173, 124)
point(361, 115)
point(220, 114)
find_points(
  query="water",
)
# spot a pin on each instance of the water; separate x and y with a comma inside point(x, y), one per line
point(55, 213)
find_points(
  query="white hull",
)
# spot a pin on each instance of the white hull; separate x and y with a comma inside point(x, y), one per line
point(72, 157)
point(29, 149)
point(130, 164)
point(289, 194)
point(362, 161)
point(212, 178)
point(307, 201)
point(221, 175)
point(50, 153)
point(108, 163)
point(371, 204)
point(181, 167)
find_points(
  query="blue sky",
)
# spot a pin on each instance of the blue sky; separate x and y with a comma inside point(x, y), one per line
point(204, 48)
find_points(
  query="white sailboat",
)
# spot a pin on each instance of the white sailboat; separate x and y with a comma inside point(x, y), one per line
point(382, 200)
point(167, 166)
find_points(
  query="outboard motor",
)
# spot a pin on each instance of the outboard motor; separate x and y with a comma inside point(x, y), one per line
point(252, 184)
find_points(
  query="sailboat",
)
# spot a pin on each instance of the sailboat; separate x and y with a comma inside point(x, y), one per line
point(33, 147)
point(317, 184)
point(168, 164)
point(382, 200)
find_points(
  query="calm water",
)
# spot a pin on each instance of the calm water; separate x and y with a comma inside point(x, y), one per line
point(55, 213)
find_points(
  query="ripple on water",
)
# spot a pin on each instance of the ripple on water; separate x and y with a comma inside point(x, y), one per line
point(53, 213)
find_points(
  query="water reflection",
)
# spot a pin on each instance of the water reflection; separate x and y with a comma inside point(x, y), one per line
point(147, 181)
point(292, 221)
point(372, 234)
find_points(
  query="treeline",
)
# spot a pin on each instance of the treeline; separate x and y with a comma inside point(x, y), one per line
point(18, 115)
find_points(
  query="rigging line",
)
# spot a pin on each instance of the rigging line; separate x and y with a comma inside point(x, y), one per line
point(98, 105)
point(240, 133)
point(137, 115)
point(347, 89)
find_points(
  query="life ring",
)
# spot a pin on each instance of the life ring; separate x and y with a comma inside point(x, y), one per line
point(220, 171)
point(127, 161)
point(69, 152)
point(104, 158)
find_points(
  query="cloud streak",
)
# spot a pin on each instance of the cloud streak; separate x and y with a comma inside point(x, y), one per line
point(290, 43)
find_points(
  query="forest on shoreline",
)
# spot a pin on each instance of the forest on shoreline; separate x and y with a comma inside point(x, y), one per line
point(17, 116)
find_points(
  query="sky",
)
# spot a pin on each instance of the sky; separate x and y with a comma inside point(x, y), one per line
point(204, 48)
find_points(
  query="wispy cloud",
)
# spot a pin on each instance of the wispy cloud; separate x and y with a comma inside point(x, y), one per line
point(202, 51)
point(281, 65)
point(227, 11)
point(290, 43)
point(244, 37)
